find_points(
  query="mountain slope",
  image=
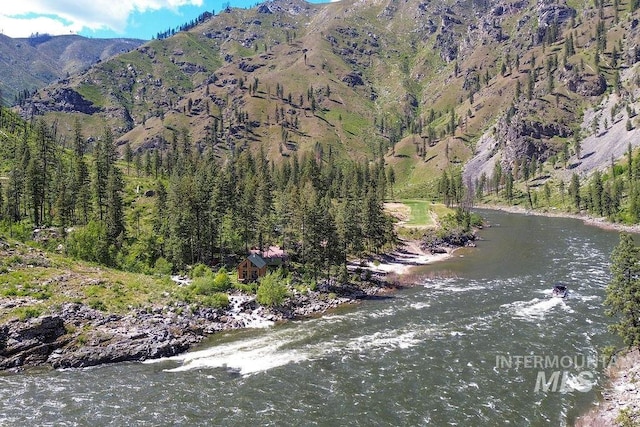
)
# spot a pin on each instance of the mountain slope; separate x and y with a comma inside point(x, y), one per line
point(31, 63)
point(427, 84)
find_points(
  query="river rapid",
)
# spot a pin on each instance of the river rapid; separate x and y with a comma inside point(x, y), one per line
point(478, 342)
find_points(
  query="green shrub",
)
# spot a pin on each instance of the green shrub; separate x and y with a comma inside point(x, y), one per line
point(21, 231)
point(201, 270)
point(248, 288)
point(272, 290)
point(202, 286)
point(302, 289)
point(222, 281)
point(476, 219)
point(210, 284)
point(162, 266)
point(89, 243)
point(608, 353)
point(628, 417)
point(97, 305)
point(42, 295)
point(10, 291)
point(13, 260)
point(24, 313)
point(217, 300)
point(81, 340)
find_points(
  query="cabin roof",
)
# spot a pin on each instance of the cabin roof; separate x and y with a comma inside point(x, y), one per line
point(257, 260)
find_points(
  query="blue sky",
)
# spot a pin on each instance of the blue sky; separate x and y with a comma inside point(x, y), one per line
point(141, 19)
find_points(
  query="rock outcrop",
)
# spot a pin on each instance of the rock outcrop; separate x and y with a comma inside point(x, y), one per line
point(434, 243)
point(584, 84)
point(353, 79)
point(63, 99)
point(30, 342)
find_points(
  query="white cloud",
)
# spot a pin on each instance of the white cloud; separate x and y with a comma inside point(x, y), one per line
point(21, 18)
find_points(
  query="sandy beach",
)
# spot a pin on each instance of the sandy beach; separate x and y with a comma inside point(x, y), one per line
point(406, 256)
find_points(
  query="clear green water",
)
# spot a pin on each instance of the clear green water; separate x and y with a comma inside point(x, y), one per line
point(428, 355)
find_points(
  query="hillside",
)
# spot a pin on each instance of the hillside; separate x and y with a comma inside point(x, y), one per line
point(429, 84)
point(31, 63)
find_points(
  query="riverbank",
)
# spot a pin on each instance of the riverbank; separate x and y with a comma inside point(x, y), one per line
point(620, 403)
point(75, 335)
point(601, 222)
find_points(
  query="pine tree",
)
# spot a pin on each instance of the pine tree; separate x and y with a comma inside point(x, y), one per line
point(80, 179)
point(39, 173)
point(623, 292)
point(128, 156)
point(497, 177)
point(373, 220)
point(114, 213)
point(64, 204)
point(574, 190)
point(35, 184)
point(105, 156)
point(15, 190)
point(333, 248)
point(180, 221)
point(596, 192)
point(312, 229)
point(508, 187)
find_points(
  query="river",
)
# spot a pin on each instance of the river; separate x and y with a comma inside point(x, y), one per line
point(479, 342)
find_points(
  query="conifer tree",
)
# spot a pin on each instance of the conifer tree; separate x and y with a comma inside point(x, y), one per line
point(80, 178)
point(104, 157)
point(128, 155)
point(114, 213)
point(623, 292)
point(574, 190)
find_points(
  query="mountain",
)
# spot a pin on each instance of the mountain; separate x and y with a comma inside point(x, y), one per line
point(31, 63)
point(432, 85)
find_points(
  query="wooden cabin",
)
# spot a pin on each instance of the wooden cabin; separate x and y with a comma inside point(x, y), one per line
point(252, 268)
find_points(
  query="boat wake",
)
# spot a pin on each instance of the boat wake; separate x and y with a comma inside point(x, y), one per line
point(534, 309)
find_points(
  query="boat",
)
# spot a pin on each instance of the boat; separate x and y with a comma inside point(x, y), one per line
point(559, 290)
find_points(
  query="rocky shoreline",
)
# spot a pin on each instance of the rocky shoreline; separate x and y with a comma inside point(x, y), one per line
point(620, 403)
point(77, 336)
